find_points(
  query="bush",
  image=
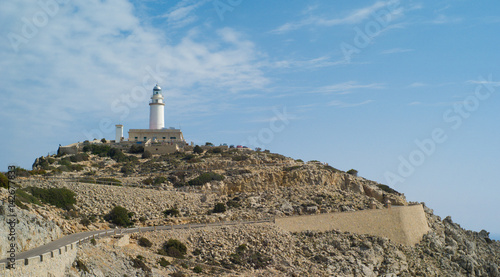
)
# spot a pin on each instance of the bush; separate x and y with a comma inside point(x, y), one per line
point(197, 269)
point(85, 221)
point(147, 155)
point(219, 208)
point(119, 216)
point(352, 172)
point(60, 197)
point(79, 157)
point(244, 255)
point(171, 212)
point(65, 161)
point(174, 248)
point(205, 178)
point(216, 150)
point(103, 140)
point(21, 172)
point(148, 181)
point(4, 181)
point(197, 149)
point(387, 189)
point(136, 149)
point(240, 158)
point(93, 241)
point(23, 197)
point(138, 263)
point(163, 262)
point(127, 169)
point(144, 242)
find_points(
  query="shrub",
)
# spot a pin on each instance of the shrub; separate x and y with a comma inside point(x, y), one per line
point(352, 172)
point(216, 150)
point(239, 158)
point(103, 140)
point(142, 219)
point(171, 212)
point(197, 149)
point(197, 252)
point(85, 221)
point(81, 266)
point(244, 255)
point(387, 189)
point(160, 180)
point(174, 248)
point(79, 157)
point(110, 181)
point(197, 269)
point(59, 197)
point(205, 178)
point(163, 262)
point(93, 241)
point(209, 144)
point(21, 172)
point(138, 263)
point(219, 208)
point(4, 181)
point(127, 169)
point(23, 197)
point(144, 242)
point(148, 181)
point(147, 155)
point(65, 161)
point(119, 216)
point(233, 203)
point(136, 149)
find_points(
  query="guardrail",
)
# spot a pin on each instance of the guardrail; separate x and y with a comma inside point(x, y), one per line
point(73, 245)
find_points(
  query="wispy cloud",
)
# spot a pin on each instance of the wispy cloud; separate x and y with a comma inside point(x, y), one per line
point(341, 104)
point(417, 85)
point(396, 50)
point(346, 87)
point(183, 13)
point(353, 17)
point(445, 19)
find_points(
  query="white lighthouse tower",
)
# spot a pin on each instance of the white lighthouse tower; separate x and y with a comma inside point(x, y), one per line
point(157, 110)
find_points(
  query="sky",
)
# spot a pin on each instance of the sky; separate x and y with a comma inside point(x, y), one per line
point(405, 92)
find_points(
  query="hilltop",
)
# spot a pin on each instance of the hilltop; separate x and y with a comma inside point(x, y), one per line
point(216, 184)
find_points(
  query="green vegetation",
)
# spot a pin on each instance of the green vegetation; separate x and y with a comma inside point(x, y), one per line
point(93, 241)
point(216, 150)
point(233, 203)
point(108, 151)
point(138, 263)
point(85, 221)
point(197, 269)
point(119, 216)
point(102, 180)
point(205, 178)
point(174, 248)
point(127, 169)
point(156, 181)
point(240, 158)
point(103, 140)
point(136, 149)
point(60, 197)
point(79, 157)
point(196, 252)
point(245, 256)
point(21, 172)
point(4, 181)
point(387, 189)
point(163, 262)
point(144, 242)
point(219, 208)
point(352, 172)
point(147, 155)
point(197, 149)
point(291, 168)
point(81, 266)
point(24, 197)
point(171, 212)
point(331, 168)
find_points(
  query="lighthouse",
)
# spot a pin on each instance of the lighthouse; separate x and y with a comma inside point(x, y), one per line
point(157, 110)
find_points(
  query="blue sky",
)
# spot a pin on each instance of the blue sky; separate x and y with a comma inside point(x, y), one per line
point(403, 91)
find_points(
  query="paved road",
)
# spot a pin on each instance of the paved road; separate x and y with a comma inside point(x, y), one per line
point(54, 245)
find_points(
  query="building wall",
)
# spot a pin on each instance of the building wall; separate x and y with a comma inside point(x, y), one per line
point(401, 224)
point(159, 134)
point(162, 149)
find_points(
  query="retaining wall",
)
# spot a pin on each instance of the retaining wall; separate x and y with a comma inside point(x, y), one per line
point(52, 263)
point(401, 224)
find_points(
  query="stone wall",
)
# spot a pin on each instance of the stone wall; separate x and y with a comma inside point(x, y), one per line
point(51, 264)
point(405, 224)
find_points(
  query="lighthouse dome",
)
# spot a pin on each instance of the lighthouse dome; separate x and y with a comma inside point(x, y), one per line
point(157, 88)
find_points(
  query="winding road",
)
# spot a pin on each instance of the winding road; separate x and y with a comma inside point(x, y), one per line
point(69, 239)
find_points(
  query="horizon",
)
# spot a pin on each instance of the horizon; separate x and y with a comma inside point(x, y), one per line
point(404, 92)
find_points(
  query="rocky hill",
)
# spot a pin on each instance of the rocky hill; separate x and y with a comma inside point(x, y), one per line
point(220, 184)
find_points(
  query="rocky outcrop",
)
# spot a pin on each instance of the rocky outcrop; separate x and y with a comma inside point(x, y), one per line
point(31, 230)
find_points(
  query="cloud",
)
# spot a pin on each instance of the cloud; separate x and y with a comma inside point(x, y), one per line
point(396, 50)
point(353, 17)
point(348, 105)
point(346, 87)
point(444, 19)
point(417, 85)
point(319, 62)
point(183, 13)
point(96, 59)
